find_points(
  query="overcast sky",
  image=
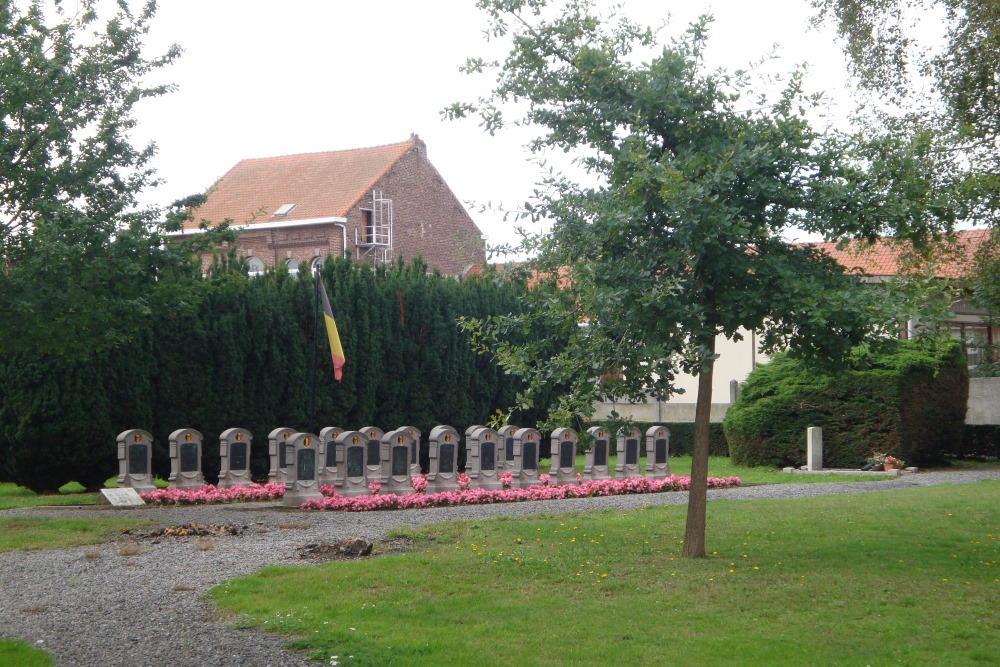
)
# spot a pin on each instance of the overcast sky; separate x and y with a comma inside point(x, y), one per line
point(261, 79)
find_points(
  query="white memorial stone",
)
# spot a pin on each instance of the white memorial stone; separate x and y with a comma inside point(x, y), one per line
point(814, 448)
point(125, 497)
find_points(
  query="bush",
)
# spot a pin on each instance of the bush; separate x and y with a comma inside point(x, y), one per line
point(907, 399)
point(979, 441)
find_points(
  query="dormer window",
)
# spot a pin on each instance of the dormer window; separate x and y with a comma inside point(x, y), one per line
point(283, 210)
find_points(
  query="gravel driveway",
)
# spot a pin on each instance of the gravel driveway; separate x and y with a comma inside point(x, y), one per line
point(146, 609)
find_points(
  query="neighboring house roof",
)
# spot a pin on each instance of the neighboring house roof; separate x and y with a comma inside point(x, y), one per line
point(320, 185)
point(886, 257)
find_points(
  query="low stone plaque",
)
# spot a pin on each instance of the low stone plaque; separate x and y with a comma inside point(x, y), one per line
point(487, 456)
point(137, 455)
point(355, 462)
point(567, 455)
point(400, 465)
point(238, 456)
point(331, 454)
point(189, 457)
point(125, 497)
point(529, 456)
point(661, 450)
point(631, 452)
point(601, 453)
point(446, 458)
point(306, 469)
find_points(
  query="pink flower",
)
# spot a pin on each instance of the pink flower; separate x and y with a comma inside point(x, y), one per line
point(506, 479)
point(374, 487)
point(544, 479)
point(579, 478)
point(419, 483)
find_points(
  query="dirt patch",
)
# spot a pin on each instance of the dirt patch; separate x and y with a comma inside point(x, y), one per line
point(351, 549)
point(186, 530)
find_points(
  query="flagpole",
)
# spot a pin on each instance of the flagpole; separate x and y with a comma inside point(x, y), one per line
point(315, 341)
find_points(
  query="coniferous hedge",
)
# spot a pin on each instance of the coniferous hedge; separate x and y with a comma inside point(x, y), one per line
point(909, 400)
point(244, 358)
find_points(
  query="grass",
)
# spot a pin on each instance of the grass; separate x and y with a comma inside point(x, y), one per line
point(28, 533)
point(20, 654)
point(12, 496)
point(901, 577)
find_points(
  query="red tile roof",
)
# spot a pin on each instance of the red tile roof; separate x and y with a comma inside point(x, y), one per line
point(887, 257)
point(319, 184)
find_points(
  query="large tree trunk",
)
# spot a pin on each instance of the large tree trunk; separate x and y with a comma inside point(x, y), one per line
point(694, 531)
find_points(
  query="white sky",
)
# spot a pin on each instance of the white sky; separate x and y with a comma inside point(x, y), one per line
point(260, 79)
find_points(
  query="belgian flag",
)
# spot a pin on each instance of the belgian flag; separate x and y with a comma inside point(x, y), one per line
point(336, 350)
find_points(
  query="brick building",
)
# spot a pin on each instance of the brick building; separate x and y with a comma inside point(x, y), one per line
point(375, 203)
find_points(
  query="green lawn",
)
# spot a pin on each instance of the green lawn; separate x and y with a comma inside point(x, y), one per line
point(12, 495)
point(901, 577)
point(19, 654)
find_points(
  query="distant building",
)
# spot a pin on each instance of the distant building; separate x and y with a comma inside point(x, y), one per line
point(375, 203)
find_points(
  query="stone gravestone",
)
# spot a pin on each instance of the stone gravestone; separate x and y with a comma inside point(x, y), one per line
point(482, 447)
point(505, 456)
point(120, 498)
point(234, 451)
point(443, 455)
point(628, 454)
point(135, 460)
point(397, 447)
point(526, 444)
point(657, 452)
point(350, 476)
point(373, 451)
point(414, 434)
point(185, 459)
point(814, 448)
point(563, 469)
point(328, 453)
point(277, 449)
point(596, 458)
point(302, 483)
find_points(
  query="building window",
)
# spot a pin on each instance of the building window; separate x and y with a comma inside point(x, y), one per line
point(255, 267)
point(293, 267)
point(315, 265)
point(975, 338)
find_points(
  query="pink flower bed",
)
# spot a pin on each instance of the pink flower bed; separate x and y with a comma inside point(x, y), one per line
point(609, 487)
point(209, 493)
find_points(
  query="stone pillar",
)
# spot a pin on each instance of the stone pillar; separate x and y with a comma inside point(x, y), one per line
point(414, 434)
point(527, 441)
point(443, 454)
point(350, 478)
point(396, 449)
point(814, 448)
point(328, 454)
point(483, 446)
point(627, 464)
point(373, 452)
point(505, 455)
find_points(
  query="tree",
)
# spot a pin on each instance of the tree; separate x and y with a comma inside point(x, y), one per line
point(679, 239)
point(80, 264)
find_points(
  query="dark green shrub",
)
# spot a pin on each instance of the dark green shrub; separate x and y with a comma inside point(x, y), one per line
point(979, 441)
point(908, 399)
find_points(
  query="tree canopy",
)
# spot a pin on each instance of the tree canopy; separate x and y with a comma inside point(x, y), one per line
point(80, 262)
point(680, 236)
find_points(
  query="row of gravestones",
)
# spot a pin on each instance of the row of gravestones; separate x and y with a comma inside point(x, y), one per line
point(351, 460)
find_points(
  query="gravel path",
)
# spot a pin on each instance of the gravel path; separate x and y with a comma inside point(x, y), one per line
point(146, 609)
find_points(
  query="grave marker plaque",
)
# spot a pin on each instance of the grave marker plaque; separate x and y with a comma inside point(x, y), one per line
point(135, 451)
point(397, 450)
point(277, 441)
point(185, 459)
point(414, 434)
point(234, 452)
point(327, 454)
point(628, 454)
point(302, 483)
point(355, 462)
point(657, 452)
point(374, 455)
point(563, 470)
point(120, 498)
point(525, 472)
point(596, 458)
point(481, 462)
point(442, 452)
point(350, 474)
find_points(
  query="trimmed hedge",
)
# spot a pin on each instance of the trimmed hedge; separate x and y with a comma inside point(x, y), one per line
point(242, 357)
point(979, 441)
point(681, 437)
point(907, 399)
